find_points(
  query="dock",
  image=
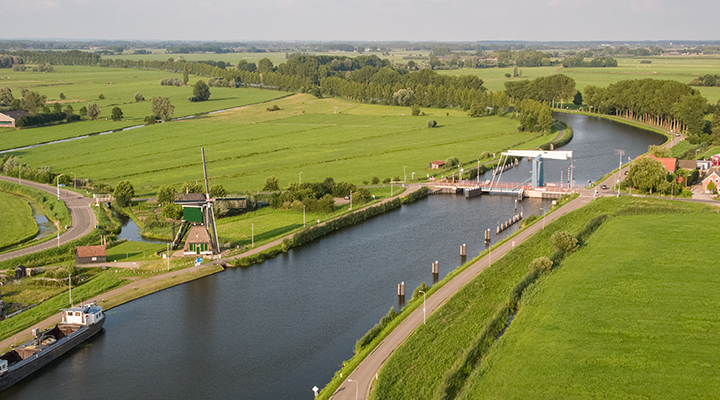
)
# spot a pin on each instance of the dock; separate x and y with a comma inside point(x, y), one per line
point(472, 189)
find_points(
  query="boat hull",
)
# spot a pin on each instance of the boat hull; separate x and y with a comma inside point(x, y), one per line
point(26, 367)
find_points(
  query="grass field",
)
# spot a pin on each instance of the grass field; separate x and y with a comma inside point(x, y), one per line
point(681, 69)
point(620, 320)
point(16, 220)
point(82, 85)
point(416, 368)
point(134, 251)
point(244, 147)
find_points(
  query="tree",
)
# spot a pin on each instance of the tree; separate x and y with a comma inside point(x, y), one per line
point(139, 97)
point(166, 194)
point(162, 108)
point(578, 99)
point(69, 110)
point(431, 123)
point(659, 151)
point(57, 108)
point(500, 102)
point(711, 186)
point(415, 110)
point(32, 101)
point(201, 91)
point(123, 193)
point(83, 111)
point(264, 65)
point(271, 184)
point(515, 72)
point(117, 114)
point(217, 191)
point(646, 174)
point(6, 96)
point(93, 111)
point(186, 77)
point(62, 96)
point(172, 211)
point(403, 97)
point(194, 187)
point(101, 96)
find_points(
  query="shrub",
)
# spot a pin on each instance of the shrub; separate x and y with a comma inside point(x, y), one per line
point(101, 96)
point(421, 287)
point(386, 180)
point(541, 264)
point(564, 242)
point(273, 108)
point(375, 330)
point(139, 97)
point(172, 211)
point(415, 110)
point(431, 123)
point(375, 180)
point(117, 114)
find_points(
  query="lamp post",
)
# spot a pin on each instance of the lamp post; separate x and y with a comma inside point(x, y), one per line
point(252, 235)
point(357, 384)
point(350, 200)
point(543, 211)
point(621, 153)
point(74, 178)
point(423, 292)
point(58, 186)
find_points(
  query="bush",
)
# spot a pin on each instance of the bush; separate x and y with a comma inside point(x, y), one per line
point(431, 123)
point(375, 330)
point(541, 265)
point(139, 97)
point(172, 211)
point(273, 108)
point(171, 82)
point(564, 242)
point(386, 180)
point(101, 96)
point(375, 180)
point(117, 114)
point(415, 110)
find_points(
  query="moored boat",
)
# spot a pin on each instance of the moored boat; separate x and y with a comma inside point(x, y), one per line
point(78, 324)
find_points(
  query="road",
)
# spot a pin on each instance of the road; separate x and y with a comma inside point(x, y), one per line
point(83, 218)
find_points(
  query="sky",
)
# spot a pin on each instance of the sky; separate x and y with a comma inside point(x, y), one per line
point(361, 20)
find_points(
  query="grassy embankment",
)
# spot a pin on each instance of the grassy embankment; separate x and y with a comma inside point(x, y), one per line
point(418, 367)
point(681, 69)
point(17, 224)
point(82, 85)
point(244, 147)
point(631, 318)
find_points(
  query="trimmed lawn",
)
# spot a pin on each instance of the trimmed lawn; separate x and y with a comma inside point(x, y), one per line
point(16, 220)
point(622, 319)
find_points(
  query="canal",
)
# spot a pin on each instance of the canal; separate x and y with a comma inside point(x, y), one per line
point(275, 330)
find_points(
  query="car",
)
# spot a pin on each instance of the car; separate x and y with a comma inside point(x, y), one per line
point(603, 187)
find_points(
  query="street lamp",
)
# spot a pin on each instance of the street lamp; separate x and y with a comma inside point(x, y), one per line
point(58, 186)
point(621, 153)
point(423, 292)
point(357, 384)
point(351, 201)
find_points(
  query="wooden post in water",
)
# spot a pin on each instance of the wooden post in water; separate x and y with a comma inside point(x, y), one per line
point(487, 236)
point(401, 294)
point(463, 250)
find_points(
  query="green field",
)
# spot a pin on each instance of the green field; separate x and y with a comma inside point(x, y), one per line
point(622, 319)
point(16, 220)
point(682, 69)
point(82, 85)
point(244, 147)
point(417, 368)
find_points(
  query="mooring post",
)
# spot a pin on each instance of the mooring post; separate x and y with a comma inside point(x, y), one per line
point(463, 250)
point(401, 289)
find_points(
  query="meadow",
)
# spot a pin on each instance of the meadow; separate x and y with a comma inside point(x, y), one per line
point(83, 85)
point(316, 137)
point(16, 220)
point(417, 368)
point(631, 318)
point(681, 69)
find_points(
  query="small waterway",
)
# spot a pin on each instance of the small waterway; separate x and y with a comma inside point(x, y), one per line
point(130, 231)
point(46, 227)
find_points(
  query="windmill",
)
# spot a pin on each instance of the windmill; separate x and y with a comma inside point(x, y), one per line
point(199, 220)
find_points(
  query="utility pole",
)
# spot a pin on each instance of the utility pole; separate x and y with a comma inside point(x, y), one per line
point(621, 153)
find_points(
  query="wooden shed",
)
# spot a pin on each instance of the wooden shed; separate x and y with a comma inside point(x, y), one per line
point(90, 254)
point(437, 164)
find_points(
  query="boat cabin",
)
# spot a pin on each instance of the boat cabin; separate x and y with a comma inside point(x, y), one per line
point(84, 315)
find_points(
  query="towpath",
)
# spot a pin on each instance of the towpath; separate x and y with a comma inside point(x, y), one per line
point(83, 218)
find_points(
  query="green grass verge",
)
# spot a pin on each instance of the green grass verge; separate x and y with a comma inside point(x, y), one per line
point(415, 370)
point(100, 284)
point(621, 319)
point(17, 224)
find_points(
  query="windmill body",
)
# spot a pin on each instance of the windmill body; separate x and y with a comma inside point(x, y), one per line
point(199, 221)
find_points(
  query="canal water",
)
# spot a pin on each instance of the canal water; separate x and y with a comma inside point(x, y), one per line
point(45, 227)
point(130, 231)
point(275, 330)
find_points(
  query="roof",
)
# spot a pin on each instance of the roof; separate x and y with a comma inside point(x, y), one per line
point(438, 162)
point(90, 251)
point(687, 164)
point(716, 173)
point(193, 197)
point(668, 163)
point(198, 234)
point(15, 114)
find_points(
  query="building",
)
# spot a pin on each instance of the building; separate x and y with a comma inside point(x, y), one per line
point(198, 242)
point(670, 164)
point(20, 272)
point(437, 164)
point(8, 118)
point(90, 254)
point(687, 164)
point(714, 177)
point(703, 165)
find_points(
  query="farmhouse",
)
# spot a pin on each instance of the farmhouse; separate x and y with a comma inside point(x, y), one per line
point(90, 254)
point(437, 164)
point(687, 164)
point(670, 164)
point(714, 177)
point(8, 118)
point(198, 241)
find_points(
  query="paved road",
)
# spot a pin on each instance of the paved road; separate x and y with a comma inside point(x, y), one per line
point(83, 218)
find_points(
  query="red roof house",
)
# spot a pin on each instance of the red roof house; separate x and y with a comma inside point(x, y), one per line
point(670, 164)
point(90, 254)
point(714, 177)
point(437, 164)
